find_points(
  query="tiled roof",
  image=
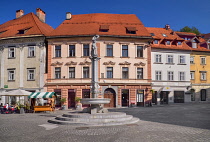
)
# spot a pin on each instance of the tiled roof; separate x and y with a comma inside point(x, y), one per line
point(171, 35)
point(89, 24)
point(29, 22)
point(186, 33)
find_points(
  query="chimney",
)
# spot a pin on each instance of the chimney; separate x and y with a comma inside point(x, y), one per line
point(68, 15)
point(19, 13)
point(40, 14)
point(167, 26)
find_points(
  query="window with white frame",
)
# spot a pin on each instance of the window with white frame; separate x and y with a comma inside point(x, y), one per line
point(192, 75)
point(170, 59)
point(86, 71)
point(181, 59)
point(139, 73)
point(181, 76)
point(31, 74)
point(58, 51)
point(170, 75)
point(86, 50)
point(71, 72)
point(72, 50)
point(11, 52)
point(124, 72)
point(203, 75)
point(11, 74)
point(203, 60)
point(158, 58)
point(139, 51)
point(109, 50)
point(124, 50)
point(158, 75)
point(57, 72)
point(31, 51)
point(192, 60)
point(109, 72)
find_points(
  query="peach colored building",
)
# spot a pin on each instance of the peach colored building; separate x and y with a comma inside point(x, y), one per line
point(124, 68)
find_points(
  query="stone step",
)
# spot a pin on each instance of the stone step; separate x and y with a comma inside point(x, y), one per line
point(97, 119)
point(131, 121)
point(97, 115)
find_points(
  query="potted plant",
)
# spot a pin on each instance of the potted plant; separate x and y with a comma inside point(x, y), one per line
point(63, 100)
point(152, 91)
point(78, 105)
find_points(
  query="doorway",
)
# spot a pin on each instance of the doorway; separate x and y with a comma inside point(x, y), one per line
point(85, 94)
point(125, 97)
point(140, 97)
point(203, 94)
point(178, 96)
point(110, 94)
point(164, 97)
point(71, 98)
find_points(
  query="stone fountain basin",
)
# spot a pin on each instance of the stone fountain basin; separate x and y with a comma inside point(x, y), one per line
point(95, 101)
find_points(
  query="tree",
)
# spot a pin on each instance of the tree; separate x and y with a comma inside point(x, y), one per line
point(190, 30)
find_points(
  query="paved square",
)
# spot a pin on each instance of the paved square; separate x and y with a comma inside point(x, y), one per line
point(177, 122)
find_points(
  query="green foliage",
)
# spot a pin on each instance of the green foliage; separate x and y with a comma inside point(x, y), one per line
point(190, 30)
point(77, 99)
point(63, 100)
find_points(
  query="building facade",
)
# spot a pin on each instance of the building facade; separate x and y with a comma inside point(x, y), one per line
point(170, 60)
point(124, 66)
point(23, 52)
point(199, 66)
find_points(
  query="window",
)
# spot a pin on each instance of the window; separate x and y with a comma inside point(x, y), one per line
point(158, 58)
point(164, 35)
point(179, 43)
point(168, 42)
point(86, 50)
point(152, 34)
point(85, 72)
point(170, 59)
point(109, 72)
point(104, 28)
point(139, 73)
point(57, 72)
point(125, 51)
point(203, 60)
point(131, 30)
point(192, 60)
point(31, 74)
point(192, 75)
point(109, 50)
point(139, 51)
point(181, 59)
point(11, 74)
point(203, 75)
point(194, 44)
point(58, 51)
point(158, 75)
point(181, 76)
point(31, 51)
point(170, 75)
point(156, 41)
point(71, 72)
point(71, 50)
point(125, 73)
point(11, 52)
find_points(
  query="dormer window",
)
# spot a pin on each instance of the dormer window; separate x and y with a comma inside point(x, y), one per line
point(104, 28)
point(156, 41)
point(194, 43)
point(179, 43)
point(131, 30)
point(152, 34)
point(23, 31)
point(164, 35)
point(168, 42)
point(2, 32)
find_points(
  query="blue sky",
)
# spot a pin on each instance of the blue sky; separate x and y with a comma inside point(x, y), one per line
point(153, 13)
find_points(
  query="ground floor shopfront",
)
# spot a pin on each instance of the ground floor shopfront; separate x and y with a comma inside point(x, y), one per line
point(167, 95)
point(120, 96)
point(200, 93)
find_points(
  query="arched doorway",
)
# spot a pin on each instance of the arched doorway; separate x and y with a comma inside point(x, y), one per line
point(203, 94)
point(110, 93)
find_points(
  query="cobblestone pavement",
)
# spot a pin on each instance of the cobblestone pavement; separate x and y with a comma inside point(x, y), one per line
point(179, 123)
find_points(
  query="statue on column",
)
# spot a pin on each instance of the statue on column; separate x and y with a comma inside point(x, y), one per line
point(94, 47)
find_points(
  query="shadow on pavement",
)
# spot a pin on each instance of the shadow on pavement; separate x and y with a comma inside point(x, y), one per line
point(190, 115)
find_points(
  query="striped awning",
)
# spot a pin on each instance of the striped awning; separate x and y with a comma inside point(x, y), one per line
point(41, 95)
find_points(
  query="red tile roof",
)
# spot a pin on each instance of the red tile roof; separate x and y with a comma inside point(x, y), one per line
point(186, 33)
point(89, 24)
point(29, 21)
point(171, 35)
